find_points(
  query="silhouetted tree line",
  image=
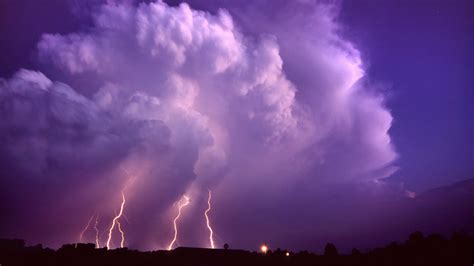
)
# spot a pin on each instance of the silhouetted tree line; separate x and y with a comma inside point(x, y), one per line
point(417, 250)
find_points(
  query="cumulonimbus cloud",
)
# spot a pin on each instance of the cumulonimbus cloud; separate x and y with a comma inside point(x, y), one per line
point(182, 96)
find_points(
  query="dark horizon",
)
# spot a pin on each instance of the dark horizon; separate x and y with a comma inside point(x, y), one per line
point(7, 245)
point(416, 250)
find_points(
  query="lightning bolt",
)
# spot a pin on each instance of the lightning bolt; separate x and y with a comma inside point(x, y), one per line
point(97, 242)
point(115, 221)
point(207, 219)
point(118, 216)
point(81, 235)
point(180, 206)
point(121, 233)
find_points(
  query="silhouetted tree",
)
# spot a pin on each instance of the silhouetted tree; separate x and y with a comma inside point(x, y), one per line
point(330, 250)
point(278, 252)
point(226, 246)
point(355, 252)
point(416, 238)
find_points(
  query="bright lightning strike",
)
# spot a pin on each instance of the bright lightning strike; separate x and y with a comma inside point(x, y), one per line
point(97, 242)
point(121, 233)
point(207, 219)
point(115, 221)
point(180, 206)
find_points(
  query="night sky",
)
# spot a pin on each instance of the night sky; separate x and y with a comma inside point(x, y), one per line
point(308, 121)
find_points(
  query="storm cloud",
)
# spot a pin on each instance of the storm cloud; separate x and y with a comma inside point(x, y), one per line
point(270, 110)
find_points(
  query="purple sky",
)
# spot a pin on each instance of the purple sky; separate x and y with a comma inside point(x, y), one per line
point(310, 122)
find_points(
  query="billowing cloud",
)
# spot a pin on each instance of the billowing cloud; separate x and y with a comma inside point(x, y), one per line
point(269, 112)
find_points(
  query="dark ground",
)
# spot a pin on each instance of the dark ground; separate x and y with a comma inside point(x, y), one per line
point(417, 250)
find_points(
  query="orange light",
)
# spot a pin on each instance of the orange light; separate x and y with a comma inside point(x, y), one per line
point(264, 248)
point(287, 254)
